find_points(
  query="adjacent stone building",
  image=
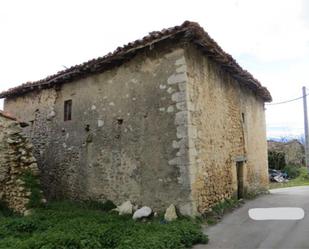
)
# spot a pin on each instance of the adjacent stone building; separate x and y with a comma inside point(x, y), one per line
point(16, 159)
point(293, 151)
point(170, 118)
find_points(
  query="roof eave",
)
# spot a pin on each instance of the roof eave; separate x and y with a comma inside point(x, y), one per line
point(190, 31)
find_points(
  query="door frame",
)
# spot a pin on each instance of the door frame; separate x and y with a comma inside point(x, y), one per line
point(240, 179)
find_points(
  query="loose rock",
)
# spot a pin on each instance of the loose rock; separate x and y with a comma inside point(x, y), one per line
point(28, 212)
point(170, 213)
point(125, 208)
point(143, 212)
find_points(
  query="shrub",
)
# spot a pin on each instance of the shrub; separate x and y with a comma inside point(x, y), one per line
point(105, 206)
point(4, 210)
point(219, 209)
point(33, 185)
point(292, 171)
point(303, 173)
point(225, 206)
point(276, 160)
point(22, 226)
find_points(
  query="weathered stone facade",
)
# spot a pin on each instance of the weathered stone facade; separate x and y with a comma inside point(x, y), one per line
point(227, 124)
point(167, 126)
point(15, 159)
point(128, 151)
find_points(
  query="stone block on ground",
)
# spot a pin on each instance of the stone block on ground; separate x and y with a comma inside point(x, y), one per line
point(170, 213)
point(143, 212)
point(125, 208)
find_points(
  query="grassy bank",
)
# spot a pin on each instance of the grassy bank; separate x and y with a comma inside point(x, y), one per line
point(302, 179)
point(292, 183)
point(68, 225)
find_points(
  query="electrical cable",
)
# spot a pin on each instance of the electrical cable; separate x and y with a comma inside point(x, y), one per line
point(286, 101)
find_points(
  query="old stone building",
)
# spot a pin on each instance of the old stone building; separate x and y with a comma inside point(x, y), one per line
point(16, 159)
point(170, 118)
point(293, 151)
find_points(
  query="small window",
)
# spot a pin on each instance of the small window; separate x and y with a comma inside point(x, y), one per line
point(68, 110)
point(120, 121)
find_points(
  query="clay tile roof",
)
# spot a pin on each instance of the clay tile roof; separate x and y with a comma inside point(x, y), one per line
point(9, 116)
point(188, 31)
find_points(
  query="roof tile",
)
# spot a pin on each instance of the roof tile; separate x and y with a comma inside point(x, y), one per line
point(190, 31)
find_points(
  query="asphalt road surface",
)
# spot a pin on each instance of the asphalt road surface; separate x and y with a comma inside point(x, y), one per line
point(237, 230)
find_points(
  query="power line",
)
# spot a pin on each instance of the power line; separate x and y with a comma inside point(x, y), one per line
point(286, 101)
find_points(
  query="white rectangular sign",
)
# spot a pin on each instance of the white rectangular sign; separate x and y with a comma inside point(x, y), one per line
point(279, 213)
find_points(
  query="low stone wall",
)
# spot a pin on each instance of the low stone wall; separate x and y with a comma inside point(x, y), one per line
point(16, 160)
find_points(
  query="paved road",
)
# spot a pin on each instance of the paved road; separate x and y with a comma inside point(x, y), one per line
point(238, 231)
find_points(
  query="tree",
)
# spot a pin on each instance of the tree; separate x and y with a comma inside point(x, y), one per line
point(276, 160)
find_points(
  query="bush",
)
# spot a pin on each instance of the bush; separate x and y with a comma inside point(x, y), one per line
point(222, 206)
point(104, 206)
point(292, 171)
point(33, 185)
point(68, 225)
point(220, 209)
point(4, 210)
point(303, 173)
point(276, 160)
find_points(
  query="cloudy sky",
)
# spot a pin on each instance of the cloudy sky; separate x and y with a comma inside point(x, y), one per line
point(269, 38)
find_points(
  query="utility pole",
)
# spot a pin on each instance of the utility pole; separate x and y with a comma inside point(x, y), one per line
point(306, 128)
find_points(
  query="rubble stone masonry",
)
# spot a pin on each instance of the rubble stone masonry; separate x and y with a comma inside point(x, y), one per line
point(227, 123)
point(16, 158)
point(166, 127)
point(127, 138)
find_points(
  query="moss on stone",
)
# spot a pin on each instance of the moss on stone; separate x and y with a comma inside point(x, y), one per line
point(32, 185)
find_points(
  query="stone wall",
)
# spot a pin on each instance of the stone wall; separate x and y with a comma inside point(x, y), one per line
point(165, 127)
point(16, 159)
point(293, 150)
point(226, 122)
point(126, 139)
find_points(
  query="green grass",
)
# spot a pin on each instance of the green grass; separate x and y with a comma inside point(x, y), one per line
point(291, 183)
point(67, 225)
point(218, 211)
